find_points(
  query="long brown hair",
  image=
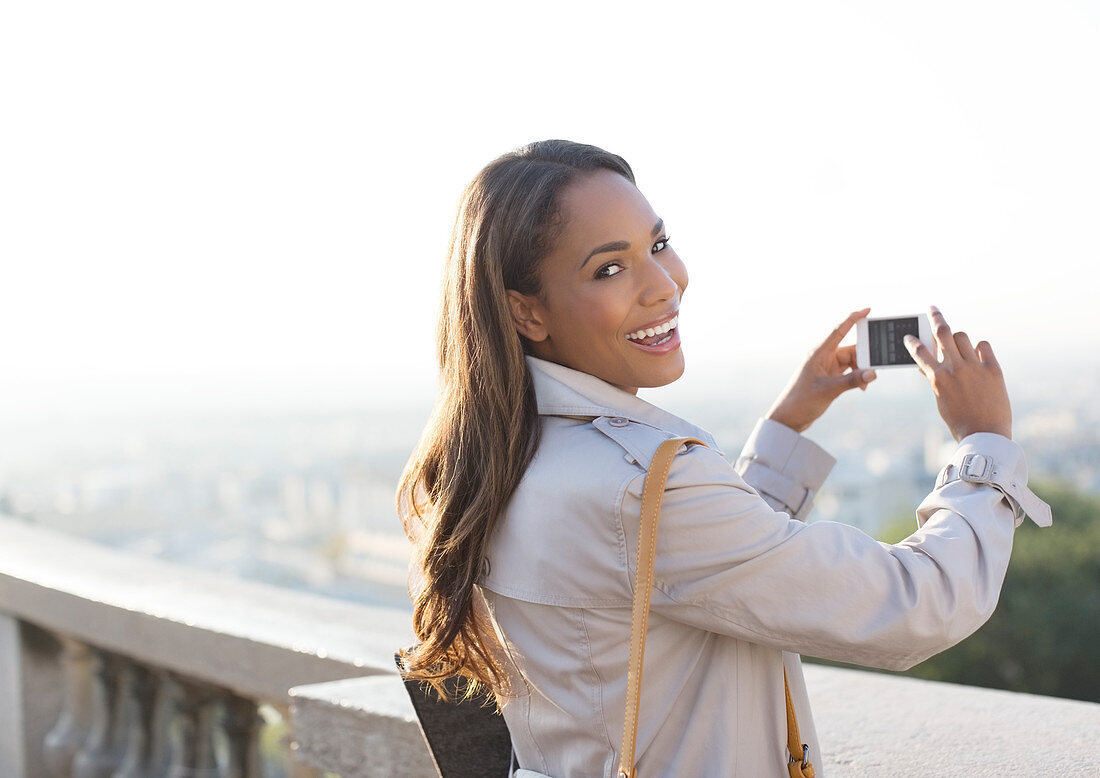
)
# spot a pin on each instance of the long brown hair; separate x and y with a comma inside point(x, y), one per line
point(484, 428)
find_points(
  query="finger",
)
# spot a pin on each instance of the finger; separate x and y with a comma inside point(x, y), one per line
point(866, 377)
point(846, 357)
point(926, 363)
point(966, 349)
point(942, 333)
point(986, 355)
point(830, 343)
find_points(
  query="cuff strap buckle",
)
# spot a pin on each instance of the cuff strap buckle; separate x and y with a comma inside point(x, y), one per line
point(976, 469)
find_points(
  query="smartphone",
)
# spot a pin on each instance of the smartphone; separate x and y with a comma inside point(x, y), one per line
point(881, 342)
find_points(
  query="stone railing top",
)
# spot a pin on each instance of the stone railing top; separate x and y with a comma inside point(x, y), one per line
point(253, 638)
point(884, 724)
point(869, 724)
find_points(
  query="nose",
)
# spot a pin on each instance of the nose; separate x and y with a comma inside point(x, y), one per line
point(664, 280)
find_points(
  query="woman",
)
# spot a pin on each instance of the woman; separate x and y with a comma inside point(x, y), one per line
point(561, 300)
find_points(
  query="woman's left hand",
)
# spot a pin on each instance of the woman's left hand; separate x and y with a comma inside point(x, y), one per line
point(829, 371)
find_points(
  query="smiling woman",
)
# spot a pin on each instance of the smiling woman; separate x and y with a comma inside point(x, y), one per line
point(562, 298)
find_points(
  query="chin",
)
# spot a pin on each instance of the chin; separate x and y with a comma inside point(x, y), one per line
point(664, 377)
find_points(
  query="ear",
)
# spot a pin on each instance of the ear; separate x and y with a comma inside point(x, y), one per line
point(529, 316)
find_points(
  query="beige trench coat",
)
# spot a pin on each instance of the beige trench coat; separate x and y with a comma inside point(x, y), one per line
point(741, 588)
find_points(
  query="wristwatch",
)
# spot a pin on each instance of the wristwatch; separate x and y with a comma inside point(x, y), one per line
point(982, 470)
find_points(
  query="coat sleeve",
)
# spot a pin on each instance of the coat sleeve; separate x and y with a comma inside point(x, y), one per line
point(783, 467)
point(727, 562)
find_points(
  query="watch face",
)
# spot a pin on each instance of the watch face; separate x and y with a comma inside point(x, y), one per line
point(886, 340)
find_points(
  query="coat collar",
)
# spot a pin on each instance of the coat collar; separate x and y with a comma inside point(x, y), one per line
point(562, 391)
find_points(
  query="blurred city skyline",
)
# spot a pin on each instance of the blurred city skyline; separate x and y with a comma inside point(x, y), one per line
point(307, 500)
point(239, 206)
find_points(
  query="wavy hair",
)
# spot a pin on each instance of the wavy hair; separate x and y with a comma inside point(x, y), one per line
point(484, 428)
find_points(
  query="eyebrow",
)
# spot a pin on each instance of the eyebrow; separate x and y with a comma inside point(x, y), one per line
point(620, 245)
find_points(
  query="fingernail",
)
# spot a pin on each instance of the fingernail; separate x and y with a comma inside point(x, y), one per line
point(911, 341)
point(869, 375)
point(934, 309)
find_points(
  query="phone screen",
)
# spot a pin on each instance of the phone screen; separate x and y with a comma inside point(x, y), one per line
point(886, 340)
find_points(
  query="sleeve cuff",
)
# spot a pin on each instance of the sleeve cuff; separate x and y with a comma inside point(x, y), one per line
point(784, 467)
point(988, 459)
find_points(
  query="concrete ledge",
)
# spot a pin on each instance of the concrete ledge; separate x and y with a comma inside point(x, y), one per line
point(255, 639)
point(888, 725)
point(359, 728)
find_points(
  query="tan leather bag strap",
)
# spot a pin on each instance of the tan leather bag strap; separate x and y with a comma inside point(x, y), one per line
point(652, 494)
point(798, 761)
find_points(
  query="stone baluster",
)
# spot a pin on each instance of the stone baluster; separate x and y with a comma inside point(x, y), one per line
point(164, 711)
point(101, 753)
point(242, 729)
point(193, 731)
point(139, 688)
point(71, 730)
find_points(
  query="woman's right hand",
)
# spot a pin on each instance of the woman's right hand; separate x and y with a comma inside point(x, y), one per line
point(970, 389)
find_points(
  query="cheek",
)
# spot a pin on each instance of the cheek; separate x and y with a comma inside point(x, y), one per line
point(612, 310)
point(599, 313)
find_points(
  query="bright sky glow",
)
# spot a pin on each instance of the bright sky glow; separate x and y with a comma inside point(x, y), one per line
point(234, 204)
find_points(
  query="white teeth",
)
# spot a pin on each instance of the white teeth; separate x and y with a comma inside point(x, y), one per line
point(649, 332)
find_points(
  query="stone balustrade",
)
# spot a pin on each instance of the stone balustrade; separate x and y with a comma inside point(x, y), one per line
point(114, 665)
point(118, 666)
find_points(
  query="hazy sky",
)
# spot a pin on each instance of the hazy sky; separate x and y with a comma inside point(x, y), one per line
point(247, 204)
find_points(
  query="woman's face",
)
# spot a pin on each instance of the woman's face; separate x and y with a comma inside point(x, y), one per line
point(611, 289)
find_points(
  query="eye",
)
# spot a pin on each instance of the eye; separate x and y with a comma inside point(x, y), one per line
point(661, 244)
point(610, 269)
